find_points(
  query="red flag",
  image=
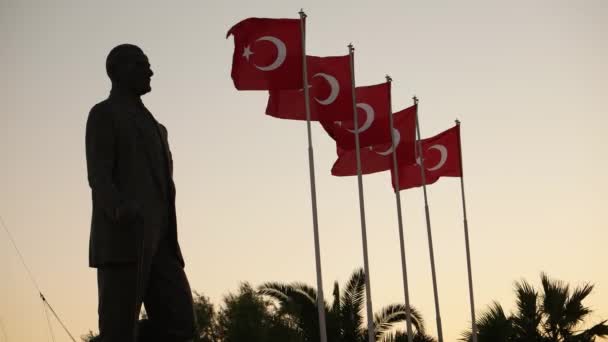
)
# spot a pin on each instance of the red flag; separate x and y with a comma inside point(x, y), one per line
point(267, 54)
point(373, 110)
point(441, 159)
point(330, 93)
point(379, 157)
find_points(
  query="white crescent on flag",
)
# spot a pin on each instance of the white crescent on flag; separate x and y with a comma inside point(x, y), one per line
point(370, 114)
point(335, 89)
point(281, 53)
point(397, 138)
point(444, 156)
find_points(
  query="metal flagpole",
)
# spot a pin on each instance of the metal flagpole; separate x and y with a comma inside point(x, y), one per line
point(466, 239)
point(428, 227)
point(313, 189)
point(408, 315)
point(368, 292)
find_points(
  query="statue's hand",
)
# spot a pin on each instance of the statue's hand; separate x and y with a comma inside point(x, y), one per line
point(129, 212)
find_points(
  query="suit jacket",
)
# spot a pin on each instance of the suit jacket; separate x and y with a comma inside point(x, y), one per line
point(123, 173)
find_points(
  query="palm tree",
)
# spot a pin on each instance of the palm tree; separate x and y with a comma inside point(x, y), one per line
point(555, 315)
point(344, 317)
point(495, 326)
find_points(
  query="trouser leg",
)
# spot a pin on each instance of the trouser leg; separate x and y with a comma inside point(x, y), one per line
point(118, 305)
point(168, 298)
point(121, 289)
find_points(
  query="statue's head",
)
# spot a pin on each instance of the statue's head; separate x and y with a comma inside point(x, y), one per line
point(129, 69)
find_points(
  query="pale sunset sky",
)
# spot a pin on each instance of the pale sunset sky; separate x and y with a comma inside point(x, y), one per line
point(528, 80)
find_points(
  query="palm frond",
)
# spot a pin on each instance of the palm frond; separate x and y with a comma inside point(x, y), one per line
point(527, 319)
point(299, 301)
point(555, 296)
point(288, 292)
point(401, 336)
point(492, 326)
point(306, 290)
point(275, 290)
point(351, 306)
point(574, 311)
point(354, 291)
point(391, 314)
point(598, 330)
point(335, 306)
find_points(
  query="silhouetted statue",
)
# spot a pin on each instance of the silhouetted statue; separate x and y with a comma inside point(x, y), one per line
point(133, 241)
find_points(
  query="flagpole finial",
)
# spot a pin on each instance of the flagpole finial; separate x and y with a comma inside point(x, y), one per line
point(389, 78)
point(302, 14)
point(415, 98)
point(457, 122)
point(351, 47)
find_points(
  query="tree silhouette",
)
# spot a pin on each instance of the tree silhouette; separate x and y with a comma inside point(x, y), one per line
point(90, 337)
point(401, 336)
point(247, 316)
point(205, 319)
point(556, 314)
point(345, 321)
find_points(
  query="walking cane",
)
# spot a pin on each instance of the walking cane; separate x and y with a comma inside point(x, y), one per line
point(139, 276)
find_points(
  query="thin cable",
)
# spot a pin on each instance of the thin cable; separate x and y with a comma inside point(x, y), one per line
point(29, 272)
point(4, 339)
point(10, 237)
point(31, 275)
point(57, 317)
point(48, 321)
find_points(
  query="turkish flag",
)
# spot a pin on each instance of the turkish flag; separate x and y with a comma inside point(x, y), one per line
point(441, 155)
point(330, 94)
point(379, 158)
point(373, 110)
point(267, 54)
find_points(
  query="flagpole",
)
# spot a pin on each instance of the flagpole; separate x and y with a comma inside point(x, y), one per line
point(408, 315)
point(466, 240)
point(368, 291)
point(313, 190)
point(428, 227)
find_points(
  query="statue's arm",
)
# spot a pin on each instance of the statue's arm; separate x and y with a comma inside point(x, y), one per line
point(101, 153)
point(165, 134)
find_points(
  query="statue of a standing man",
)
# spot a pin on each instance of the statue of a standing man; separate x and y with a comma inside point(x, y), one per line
point(133, 241)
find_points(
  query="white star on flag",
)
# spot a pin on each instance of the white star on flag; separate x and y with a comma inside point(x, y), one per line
point(247, 52)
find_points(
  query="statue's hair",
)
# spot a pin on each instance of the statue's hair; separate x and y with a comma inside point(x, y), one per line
point(118, 56)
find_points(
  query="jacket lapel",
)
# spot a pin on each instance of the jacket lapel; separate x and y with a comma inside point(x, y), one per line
point(168, 158)
point(164, 141)
point(141, 141)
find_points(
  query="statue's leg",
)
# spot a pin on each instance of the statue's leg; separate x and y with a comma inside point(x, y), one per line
point(117, 302)
point(168, 298)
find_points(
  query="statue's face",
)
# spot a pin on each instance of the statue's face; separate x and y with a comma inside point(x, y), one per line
point(137, 74)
